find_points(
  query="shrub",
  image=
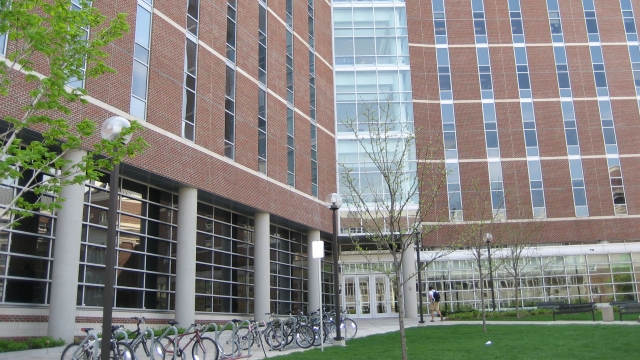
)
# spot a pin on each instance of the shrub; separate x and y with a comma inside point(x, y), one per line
point(44, 342)
point(10, 345)
point(33, 343)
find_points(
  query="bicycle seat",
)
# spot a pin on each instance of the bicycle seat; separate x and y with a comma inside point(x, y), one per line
point(115, 327)
point(86, 330)
point(172, 322)
point(236, 320)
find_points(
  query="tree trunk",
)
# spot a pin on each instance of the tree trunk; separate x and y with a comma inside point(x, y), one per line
point(484, 313)
point(403, 340)
point(516, 281)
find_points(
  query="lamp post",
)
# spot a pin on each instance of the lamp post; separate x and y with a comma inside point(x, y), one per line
point(111, 130)
point(334, 201)
point(418, 245)
point(488, 238)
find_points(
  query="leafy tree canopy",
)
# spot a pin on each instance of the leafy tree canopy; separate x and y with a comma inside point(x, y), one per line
point(50, 48)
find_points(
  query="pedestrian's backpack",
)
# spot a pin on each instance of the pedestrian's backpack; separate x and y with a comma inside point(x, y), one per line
point(436, 296)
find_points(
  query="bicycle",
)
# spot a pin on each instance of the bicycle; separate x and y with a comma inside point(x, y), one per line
point(139, 343)
point(348, 326)
point(204, 348)
point(274, 333)
point(295, 328)
point(247, 336)
point(89, 348)
point(328, 327)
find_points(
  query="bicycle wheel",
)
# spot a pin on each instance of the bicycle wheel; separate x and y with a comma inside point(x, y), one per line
point(329, 331)
point(205, 349)
point(245, 338)
point(275, 338)
point(141, 349)
point(348, 329)
point(74, 352)
point(121, 351)
point(304, 336)
point(228, 343)
point(316, 335)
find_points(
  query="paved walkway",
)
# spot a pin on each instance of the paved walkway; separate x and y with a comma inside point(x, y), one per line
point(366, 327)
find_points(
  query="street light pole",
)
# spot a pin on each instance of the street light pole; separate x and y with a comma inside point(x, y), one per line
point(418, 245)
point(488, 238)
point(111, 130)
point(334, 201)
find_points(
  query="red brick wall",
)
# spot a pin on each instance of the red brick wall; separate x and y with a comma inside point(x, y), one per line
point(178, 160)
point(549, 122)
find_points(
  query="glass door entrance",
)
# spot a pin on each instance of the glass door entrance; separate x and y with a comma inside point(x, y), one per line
point(368, 296)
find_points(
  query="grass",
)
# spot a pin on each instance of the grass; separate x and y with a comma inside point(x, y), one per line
point(465, 341)
point(549, 317)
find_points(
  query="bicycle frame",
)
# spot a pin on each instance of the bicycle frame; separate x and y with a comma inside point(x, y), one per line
point(84, 344)
point(177, 337)
point(174, 332)
point(147, 343)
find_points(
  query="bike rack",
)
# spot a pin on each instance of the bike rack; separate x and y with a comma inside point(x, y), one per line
point(234, 330)
point(123, 332)
point(152, 338)
point(96, 342)
point(243, 324)
point(174, 330)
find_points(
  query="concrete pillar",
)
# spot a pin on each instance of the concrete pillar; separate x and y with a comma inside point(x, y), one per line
point(64, 273)
point(186, 256)
point(313, 283)
point(409, 289)
point(261, 266)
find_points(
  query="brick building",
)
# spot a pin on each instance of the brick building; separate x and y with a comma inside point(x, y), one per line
point(236, 100)
point(536, 105)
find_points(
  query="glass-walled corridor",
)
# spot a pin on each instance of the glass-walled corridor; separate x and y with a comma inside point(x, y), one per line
point(587, 273)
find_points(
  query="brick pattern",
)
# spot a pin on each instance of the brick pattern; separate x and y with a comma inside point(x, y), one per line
point(177, 160)
point(24, 318)
point(551, 138)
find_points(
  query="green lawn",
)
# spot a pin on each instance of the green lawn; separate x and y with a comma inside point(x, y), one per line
point(464, 341)
point(549, 317)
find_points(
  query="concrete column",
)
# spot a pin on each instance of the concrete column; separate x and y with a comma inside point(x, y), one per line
point(313, 283)
point(64, 273)
point(185, 257)
point(409, 288)
point(261, 267)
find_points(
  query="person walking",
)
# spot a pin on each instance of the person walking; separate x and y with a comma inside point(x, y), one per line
point(434, 303)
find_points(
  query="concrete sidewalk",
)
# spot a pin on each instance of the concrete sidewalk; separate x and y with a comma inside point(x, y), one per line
point(366, 327)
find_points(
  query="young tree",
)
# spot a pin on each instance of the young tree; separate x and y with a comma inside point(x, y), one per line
point(49, 54)
point(390, 191)
point(516, 257)
point(476, 234)
point(474, 239)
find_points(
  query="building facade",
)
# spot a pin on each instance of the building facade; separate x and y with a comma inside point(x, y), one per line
point(216, 217)
point(535, 105)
